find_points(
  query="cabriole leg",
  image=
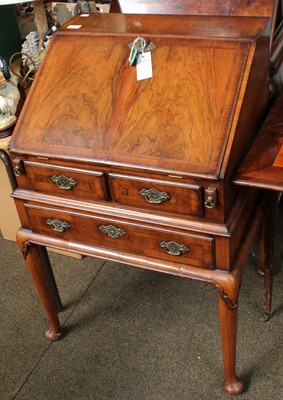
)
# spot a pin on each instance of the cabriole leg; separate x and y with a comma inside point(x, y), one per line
point(37, 271)
point(228, 317)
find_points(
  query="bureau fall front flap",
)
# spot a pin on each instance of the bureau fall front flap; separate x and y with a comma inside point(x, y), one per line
point(87, 103)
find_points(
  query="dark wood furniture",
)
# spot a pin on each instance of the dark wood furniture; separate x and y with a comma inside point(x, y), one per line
point(140, 172)
point(263, 168)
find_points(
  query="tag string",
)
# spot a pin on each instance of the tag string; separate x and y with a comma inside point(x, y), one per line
point(135, 49)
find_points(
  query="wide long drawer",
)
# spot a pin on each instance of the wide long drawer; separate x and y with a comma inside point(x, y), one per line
point(150, 241)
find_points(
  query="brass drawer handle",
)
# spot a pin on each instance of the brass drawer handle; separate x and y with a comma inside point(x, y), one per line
point(63, 182)
point(210, 197)
point(57, 225)
point(19, 167)
point(173, 248)
point(154, 196)
point(17, 171)
point(112, 231)
point(209, 203)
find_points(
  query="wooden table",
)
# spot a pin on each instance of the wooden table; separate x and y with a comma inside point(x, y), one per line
point(263, 168)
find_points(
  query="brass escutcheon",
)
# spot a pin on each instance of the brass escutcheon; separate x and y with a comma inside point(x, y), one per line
point(141, 44)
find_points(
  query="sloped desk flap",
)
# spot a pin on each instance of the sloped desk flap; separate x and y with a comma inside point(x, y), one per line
point(87, 97)
point(263, 165)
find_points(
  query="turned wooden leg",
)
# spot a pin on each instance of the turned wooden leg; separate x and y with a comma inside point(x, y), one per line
point(266, 250)
point(228, 317)
point(38, 274)
point(51, 279)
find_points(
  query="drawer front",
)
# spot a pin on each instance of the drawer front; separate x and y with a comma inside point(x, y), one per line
point(164, 196)
point(66, 181)
point(174, 246)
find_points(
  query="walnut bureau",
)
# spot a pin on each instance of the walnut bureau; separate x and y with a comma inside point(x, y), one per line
point(140, 171)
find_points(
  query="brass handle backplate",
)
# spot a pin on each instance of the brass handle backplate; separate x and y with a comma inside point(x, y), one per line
point(57, 225)
point(63, 182)
point(154, 196)
point(173, 248)
point(112, 231)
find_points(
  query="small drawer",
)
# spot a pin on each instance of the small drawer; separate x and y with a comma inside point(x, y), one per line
point(194, 250)
point(158, 195)
point(66, 181)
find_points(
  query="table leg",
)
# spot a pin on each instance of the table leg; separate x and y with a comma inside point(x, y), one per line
point(13, 182)
point(51, 278)
point(266, 249)
point(228, 317)
point(38, 274)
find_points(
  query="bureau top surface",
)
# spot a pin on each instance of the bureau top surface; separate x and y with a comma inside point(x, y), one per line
point(87, 104)
point(203, 7)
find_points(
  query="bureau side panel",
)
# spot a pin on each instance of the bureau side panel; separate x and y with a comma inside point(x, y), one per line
point(252, 113)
